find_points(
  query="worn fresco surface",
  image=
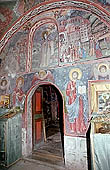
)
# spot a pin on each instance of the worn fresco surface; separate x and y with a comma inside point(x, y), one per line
point(10, 11)
point(82, 38)
point(13, 57)
point(73, 83)
point(66, 47)
point(45, 46)
point(57, 38)
point(7, 16)
point(73, 40)
point(72, 45)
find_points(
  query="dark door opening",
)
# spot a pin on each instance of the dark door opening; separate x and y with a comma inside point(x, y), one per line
point(48, 130)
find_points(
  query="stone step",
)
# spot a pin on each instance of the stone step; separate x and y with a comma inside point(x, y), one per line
point(48, 158)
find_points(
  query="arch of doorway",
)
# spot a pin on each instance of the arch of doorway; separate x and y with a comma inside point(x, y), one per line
point(27, 128)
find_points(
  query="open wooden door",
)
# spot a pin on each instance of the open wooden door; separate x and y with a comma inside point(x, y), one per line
point(38, 123)
point(48, 129)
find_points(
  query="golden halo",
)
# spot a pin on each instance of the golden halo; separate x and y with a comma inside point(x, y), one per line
point(102, 64)
point(75, 70)
point(20, 78)
point(42, 73)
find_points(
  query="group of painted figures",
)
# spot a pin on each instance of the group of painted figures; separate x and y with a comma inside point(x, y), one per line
point(76, 97)
point(75, 90)
point(77, 51)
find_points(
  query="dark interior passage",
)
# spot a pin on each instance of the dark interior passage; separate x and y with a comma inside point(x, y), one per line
point(48, 130)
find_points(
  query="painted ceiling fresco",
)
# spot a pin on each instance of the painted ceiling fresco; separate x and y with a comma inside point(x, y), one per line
point(70, 44)
point(11, 10)
point(7, 15)
point(23, 6)
point(56, 38)
point(82, 36)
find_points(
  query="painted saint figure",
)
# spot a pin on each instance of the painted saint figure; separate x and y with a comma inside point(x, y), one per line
point(47, 50)
point(98, 50)
point(84, 53)
point(91, 47)
point(102, 71)
point(18, 94)
point(75, 102)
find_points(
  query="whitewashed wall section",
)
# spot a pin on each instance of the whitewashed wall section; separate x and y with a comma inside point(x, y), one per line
point(75, 153)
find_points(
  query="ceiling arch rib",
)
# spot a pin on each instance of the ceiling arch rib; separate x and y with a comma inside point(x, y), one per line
point(37, 10)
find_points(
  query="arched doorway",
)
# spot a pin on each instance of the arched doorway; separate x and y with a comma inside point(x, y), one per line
point(47, 122)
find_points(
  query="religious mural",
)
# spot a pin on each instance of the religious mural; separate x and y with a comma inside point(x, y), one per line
point(75, 102)
point(14, 55)
point(11, 11)
point(18, 94)
point(45, 46)
point(42, 75)
point(75, 39)
point(101, 71)
point(82, 38)
point(7, 16)
point(4, 85)
point(75, 90)
point(68, 47)
point(73, 83)
point(73, 36)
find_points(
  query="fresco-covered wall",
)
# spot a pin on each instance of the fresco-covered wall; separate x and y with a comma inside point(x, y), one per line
point(66, 47)
point(7, 16)
point(14, 55)
point(72, 82)
point(45, 46)
point(11, 10)
point(68, 42)
point(56, 38)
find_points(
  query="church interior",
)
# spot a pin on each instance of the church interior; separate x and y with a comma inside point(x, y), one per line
point(55, 82)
